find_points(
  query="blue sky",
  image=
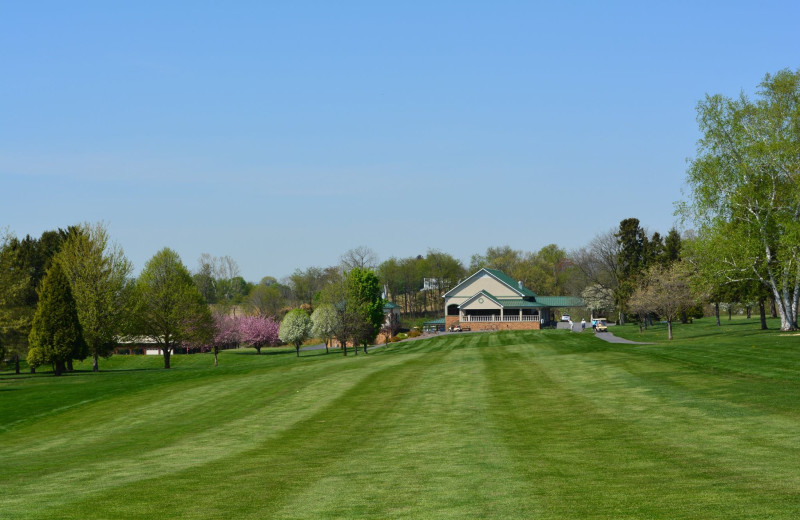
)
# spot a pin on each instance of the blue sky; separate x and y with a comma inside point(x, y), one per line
point(283, 134)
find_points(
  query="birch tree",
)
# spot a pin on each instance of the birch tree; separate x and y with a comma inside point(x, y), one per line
point(745, 189)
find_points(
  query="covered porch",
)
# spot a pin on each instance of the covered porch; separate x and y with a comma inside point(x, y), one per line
point(502, 317)
point(485, 308)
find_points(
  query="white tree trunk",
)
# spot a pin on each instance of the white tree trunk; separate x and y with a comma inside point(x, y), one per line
point(787, 306)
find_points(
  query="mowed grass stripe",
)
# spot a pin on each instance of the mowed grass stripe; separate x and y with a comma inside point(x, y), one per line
point(190, 427)
point(506, 425)
point(599, 447)
point(434, 454)
point(258, 482)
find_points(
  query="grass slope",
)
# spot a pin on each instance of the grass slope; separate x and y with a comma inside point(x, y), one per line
point(513, 424)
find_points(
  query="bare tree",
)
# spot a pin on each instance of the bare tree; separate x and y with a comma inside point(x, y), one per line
point(219, 280)
point(362, 257)
point(599, 264)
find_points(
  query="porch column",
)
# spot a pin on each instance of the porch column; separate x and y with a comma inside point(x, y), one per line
point(501, 314)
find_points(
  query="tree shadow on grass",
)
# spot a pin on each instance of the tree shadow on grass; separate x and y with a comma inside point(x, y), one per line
point(252, 352)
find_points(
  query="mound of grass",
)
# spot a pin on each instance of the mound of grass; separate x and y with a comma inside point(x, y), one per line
point(541, 424)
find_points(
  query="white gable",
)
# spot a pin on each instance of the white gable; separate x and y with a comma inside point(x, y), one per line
point(482, 281)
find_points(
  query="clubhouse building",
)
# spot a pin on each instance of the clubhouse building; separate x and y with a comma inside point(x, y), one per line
point(492, 300)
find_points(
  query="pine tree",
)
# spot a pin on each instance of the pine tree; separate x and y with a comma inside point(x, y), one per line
point(56, 335)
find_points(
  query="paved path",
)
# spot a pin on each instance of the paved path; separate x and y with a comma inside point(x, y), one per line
point(607, 336)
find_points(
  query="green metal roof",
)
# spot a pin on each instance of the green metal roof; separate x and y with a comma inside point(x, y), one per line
point(561, 301)
point(511, 282)
point(519, 303)
point(506, 302)
point(390, 305)
point(440, 321)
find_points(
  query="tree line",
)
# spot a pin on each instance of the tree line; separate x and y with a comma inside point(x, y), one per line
point(69, 294)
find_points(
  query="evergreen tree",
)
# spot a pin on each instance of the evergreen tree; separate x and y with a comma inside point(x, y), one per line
point(672, 246)
point(23, 264)
point(654, 251)
point(56, 335)
point(633, 242)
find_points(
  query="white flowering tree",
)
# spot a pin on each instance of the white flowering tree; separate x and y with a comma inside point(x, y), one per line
point(295, 328)
point(324, 320)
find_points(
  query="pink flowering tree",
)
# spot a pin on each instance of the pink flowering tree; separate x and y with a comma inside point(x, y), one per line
point(258, 331)
point(225, 335)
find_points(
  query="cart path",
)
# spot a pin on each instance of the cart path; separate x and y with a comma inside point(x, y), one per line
point(607, 336)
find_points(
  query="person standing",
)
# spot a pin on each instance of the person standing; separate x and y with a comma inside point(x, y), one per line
point(570, 324)
point(583, 324)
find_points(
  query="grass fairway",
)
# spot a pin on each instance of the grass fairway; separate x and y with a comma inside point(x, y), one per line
point(544, 424)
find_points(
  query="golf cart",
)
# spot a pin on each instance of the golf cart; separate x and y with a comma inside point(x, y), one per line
point(599, 325)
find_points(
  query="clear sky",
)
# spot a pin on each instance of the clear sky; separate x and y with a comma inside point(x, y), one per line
point(285, 133)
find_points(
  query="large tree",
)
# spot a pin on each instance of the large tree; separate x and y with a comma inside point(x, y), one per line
point(598, 299)
point(169, 308)
point(23, 264)
point(97, 272)
point(443, 273)
point(599, 263)
point(266, 300)
point(15, 313)
point(306, 284)
point(364, 298)
point(361, 256)
point(672, 247)
point(345, 323)
point(745, 188)
point(219, 280)
point(56, 336)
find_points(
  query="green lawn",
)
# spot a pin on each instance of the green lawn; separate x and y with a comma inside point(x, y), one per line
point(546, 424)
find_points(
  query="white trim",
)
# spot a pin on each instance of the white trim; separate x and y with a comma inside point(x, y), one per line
point(474, 276)
point(480, 294)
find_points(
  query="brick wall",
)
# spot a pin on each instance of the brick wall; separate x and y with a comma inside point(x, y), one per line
point(481, 325)
point(513, 325)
